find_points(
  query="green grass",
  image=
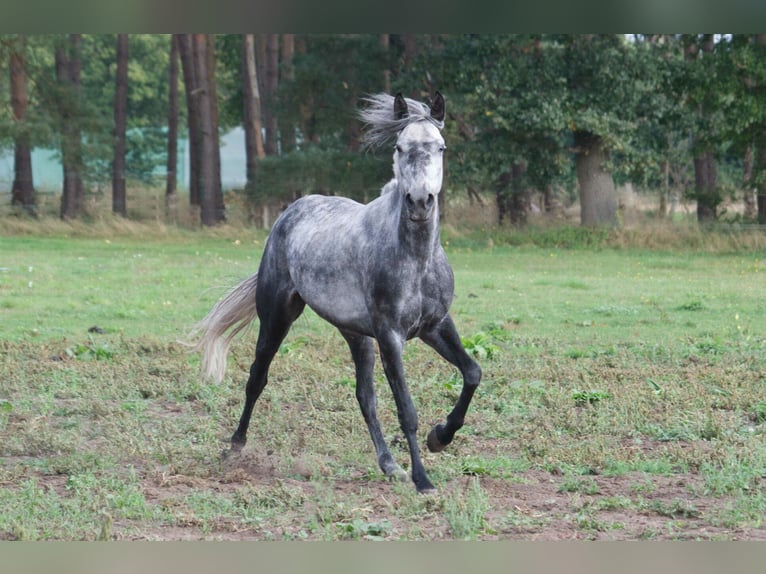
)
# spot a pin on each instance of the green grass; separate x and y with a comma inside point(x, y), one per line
point(611, 376)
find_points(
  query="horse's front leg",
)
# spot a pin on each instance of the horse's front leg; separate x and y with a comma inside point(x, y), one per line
point(363, 353)
point(390, 344)
point(445, 339)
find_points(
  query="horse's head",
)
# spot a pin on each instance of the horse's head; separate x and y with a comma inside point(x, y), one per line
point(418, 154)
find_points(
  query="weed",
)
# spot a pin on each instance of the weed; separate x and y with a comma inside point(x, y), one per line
point(358, 528)
point(480, 346)
point(693, 305)
point(582, 398)
point(464, 510)
point(90, 351)
point(581, 485)
point(677, 508)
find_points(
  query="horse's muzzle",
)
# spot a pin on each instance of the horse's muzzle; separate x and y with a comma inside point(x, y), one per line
point(420, 209)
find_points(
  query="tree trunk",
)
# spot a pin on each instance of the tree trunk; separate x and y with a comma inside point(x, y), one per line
point(288, 74)
point(662, 211)
point(705, 181)
point(119, 205)
point(760, 158)
point(211, 83)
point(207, 167)
point(272, 81)
point(705, 171)
point(761, 189)
point(171, 181)
point(252, 116)
point(23, 189)
point(519, 199)
point(190, 88)
point(306, 108)
point(385, 41)
point(501, 195)
point(747, 184)
point(68, 68)
point(598, 198)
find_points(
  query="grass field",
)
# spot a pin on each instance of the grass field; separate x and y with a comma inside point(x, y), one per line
point(624, 397)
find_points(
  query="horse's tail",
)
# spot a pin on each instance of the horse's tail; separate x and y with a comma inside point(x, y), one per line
point(235, 311)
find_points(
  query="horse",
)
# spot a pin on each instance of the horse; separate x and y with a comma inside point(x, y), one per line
point(376, 271)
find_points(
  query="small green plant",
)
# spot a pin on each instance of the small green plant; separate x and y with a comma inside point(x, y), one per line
point(677, 508)
point(358, 528)
point(581, 485)
point(480, 346)
point(582, 398)
point(693, 305)
point(90, 351)
point(758, 413)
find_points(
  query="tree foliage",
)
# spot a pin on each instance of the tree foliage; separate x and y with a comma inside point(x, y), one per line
point(524, 109)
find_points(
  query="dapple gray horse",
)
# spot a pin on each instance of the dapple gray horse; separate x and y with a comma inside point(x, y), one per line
point(375, 271)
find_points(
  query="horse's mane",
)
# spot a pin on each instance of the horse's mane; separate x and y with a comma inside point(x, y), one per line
point(381, 125)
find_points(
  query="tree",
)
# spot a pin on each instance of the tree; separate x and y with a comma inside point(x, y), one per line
point(698, 52)
point(192, 115)
point(287, 74)
point(119, 205)
point(23, 189)
point(172, 146)
point(271, 82)
point(201, 94)
point(252, 119)
point(760, 165)
point(68, 73)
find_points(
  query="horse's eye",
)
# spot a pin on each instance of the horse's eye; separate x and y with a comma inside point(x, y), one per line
point(442, 148)
point(398, 148)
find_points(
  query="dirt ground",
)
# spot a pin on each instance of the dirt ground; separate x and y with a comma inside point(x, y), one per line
point(532, 507)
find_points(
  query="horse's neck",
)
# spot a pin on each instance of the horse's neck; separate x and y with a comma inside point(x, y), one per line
point(417, 240)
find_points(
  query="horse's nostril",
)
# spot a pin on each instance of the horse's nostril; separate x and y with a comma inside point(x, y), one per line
point(430, 200)
point(409, 200)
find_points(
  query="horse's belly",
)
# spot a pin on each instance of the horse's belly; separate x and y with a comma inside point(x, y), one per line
point(339, 305)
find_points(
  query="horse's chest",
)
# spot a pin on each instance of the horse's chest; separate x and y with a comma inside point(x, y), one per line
point(412, 301)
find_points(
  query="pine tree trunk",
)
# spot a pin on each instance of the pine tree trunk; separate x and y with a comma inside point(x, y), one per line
point(385, 42)
point(119, 204)
point(171, 180)
point(205, 117)
point(23, 189)
point(760, 158)
point(68, 68)
point(287, 134)
point(271, 82)
point(211, 83)
point(185, 51)
point(252, 118)
point(598, 197)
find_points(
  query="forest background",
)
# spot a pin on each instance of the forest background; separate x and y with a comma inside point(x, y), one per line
point(537, 123)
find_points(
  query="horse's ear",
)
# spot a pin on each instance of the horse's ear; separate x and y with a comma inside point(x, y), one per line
point(437, 108)
point(400, 107)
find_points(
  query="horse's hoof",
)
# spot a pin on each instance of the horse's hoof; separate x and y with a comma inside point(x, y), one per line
point(426, 488)
point(398, 474)
point(433, 442)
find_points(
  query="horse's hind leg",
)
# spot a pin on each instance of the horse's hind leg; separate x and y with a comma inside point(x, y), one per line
point(276, 317)
point(446, 341)
point(363, 353)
